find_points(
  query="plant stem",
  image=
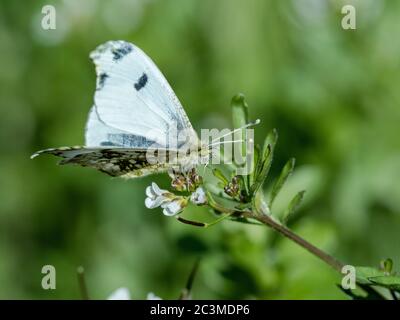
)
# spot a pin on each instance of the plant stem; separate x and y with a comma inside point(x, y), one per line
point(82, 283)
point(268, 221)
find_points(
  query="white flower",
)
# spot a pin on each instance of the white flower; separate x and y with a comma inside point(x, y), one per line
point(152, 296)
point(171, 203)
point(173, 207)
point(124, 294)
point(155, 196)
point(120, 294)
point(199, 196)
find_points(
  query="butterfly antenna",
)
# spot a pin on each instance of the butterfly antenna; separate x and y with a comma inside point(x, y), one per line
point(250, 124)
point(223, 142)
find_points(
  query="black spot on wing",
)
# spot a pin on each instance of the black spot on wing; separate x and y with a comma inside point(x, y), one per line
point(122, 51)
point(102, 79)
point(141, 82)
point(107, 143)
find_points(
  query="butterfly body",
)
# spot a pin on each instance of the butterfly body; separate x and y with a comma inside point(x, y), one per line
point(137, 125)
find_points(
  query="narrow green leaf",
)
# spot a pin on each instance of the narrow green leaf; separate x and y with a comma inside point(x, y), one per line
point(263, 168)
point(269, 145)
point(218, 174)
point(259, 203)
point(286, 172)
point(264, 160)
point(270, 140)
point(364, 273)
point(293, 205)
point(256, 157)
point(352, 294)
point(390, 282)
point(239, 110)
point(387, 265)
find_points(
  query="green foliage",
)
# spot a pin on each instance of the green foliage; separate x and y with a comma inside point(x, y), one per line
point(293, 206)
point(369, 278)
point(286, 172)
point(332, 95)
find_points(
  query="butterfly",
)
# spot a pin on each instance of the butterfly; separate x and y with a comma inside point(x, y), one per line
point(136, 126)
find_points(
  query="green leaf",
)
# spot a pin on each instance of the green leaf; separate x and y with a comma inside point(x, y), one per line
point(218, 174)
point(293, 205)
point(240, 114)
point(270, 140)
point(263, 169)
point(268, 147)
point(263, 161)
point(353, 295)
point(256, 158)
point(365, 293)
point(286, 172)
point(239, 111)
point(363, 274)
point(387, 265)
point(390, 282)
point(259, 203)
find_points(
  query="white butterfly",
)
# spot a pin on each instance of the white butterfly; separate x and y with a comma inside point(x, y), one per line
point(135, 111)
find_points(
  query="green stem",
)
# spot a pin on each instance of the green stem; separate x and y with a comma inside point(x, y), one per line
point(82, 283)
point(268, 221)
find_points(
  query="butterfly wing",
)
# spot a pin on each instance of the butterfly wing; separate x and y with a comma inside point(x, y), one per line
point(133, 96)
point(135, 111)
point(116, 162)
point(98, 134)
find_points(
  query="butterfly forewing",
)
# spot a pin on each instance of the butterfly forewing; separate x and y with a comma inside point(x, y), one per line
point(135, 111)
point(133, 96)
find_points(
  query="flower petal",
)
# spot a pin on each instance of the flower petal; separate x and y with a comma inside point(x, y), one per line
point(199, 196)
point(152, 296)
point(120, 294)
point(150, 193)
point(157, 189)
point(154, 203)
point(173, 207)
point(149, 203)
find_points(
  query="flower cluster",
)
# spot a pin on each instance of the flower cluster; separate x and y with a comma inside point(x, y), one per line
point(186, 182)
point(172, 204)
point(232, 189)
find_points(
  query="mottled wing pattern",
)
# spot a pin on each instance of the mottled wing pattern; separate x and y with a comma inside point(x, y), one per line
point(116, 162)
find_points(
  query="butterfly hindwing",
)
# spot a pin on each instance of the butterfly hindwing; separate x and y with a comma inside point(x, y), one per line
point(116, 162)
point(98, 134)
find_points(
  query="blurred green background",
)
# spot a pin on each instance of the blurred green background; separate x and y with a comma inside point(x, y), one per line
point(332, 94)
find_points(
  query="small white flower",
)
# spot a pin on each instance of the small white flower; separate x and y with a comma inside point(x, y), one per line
point(155, 196)
point(171, 203)
point(199, 196)
point(152, 296)
point(120, 294)
point(171, 208)
point(124, 294)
